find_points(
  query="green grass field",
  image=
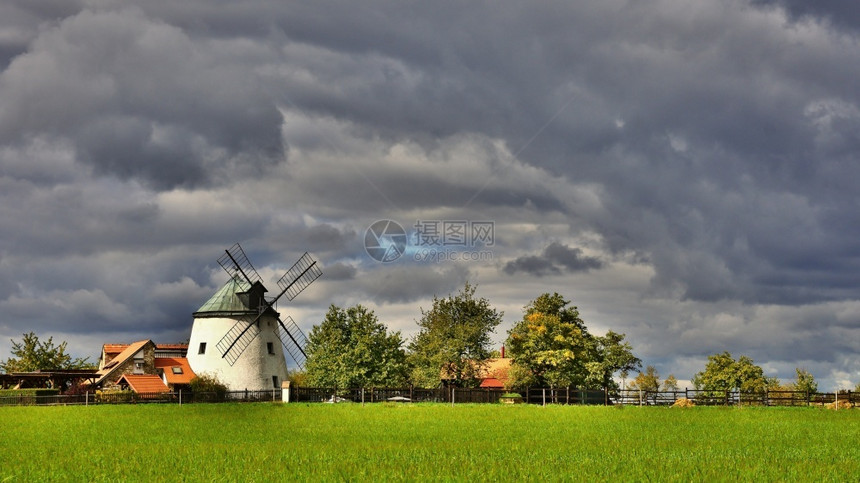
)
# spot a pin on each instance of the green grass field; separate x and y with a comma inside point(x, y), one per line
point(260, 441)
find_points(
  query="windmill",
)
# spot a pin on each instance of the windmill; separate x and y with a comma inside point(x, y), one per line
point(234, 332)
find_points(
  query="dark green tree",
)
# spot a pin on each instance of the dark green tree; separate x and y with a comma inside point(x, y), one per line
point(453, 340)
point(31, 355)
point(722, 372)
point(351, 348)
point(608, 355)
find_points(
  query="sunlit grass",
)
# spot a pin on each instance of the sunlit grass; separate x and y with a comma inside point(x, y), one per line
point(239, 442)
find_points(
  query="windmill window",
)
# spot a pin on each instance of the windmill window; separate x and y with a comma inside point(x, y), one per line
point(275, 381)
point(270, 347)
point(177, 370)
point(202, 348)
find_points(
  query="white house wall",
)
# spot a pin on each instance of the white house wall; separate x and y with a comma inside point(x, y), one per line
point(254, 368)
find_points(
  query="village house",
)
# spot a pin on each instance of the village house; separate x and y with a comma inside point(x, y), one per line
point(144, 367)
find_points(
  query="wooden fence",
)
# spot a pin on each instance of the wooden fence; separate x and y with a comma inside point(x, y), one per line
point(450, 395)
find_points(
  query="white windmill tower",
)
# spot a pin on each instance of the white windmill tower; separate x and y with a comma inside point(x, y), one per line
point(237, 334)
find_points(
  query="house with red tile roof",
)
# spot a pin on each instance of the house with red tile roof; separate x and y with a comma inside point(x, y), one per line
point(125, 365)
point(174, 372)
point(495, 373)
point(110, 351)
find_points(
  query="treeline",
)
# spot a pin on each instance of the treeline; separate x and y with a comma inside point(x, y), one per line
point(723, 372)
point(551, 346)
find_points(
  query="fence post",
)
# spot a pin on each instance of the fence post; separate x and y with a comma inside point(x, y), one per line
point(544, 396)
point(180, 397)
point(87, 398)
point(285, 391)
point(362, 396)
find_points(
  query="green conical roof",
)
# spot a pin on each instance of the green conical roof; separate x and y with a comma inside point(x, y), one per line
point(226, 299)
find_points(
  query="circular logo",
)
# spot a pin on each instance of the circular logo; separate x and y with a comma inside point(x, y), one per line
point(385, 240)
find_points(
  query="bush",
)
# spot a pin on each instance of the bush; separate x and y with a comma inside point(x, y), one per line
point(210, 383)
point(28, 392)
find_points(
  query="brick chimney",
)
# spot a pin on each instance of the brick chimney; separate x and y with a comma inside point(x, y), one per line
point(503, 352)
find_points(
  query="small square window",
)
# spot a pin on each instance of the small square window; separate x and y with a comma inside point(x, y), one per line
point(177, 370)
point(202, 349)
point(270, 347)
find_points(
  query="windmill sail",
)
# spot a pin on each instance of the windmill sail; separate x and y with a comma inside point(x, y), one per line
point(237, 339)
point(235, 262)
point(293, 340)
point(299, 276)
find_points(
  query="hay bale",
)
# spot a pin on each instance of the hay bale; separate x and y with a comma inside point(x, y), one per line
point(843, 404)
point(683, 403)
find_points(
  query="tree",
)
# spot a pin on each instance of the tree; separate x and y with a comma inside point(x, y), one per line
point(609, 354)
point(33, 355)
point(454, 339)
point(552, 346)
point(351, 348)
point(552, 352)
point(804, 381)
point(724, 373)
point(670, 383)
point(647, 381)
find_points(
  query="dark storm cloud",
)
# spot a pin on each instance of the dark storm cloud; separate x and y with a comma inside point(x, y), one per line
point(708, 149)
point(555, 259)
point(139, 99)
point(843, 13)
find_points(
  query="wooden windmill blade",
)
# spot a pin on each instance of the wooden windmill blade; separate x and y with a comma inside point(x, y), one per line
point(235, 262)
point(293, 340)
point(299, 276)
point(238, 338)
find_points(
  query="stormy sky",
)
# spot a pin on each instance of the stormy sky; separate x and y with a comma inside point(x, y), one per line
point(686, 172)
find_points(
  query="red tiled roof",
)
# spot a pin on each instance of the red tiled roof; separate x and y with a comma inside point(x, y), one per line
point(492, 383)
point(168, 363)
point(144, 383)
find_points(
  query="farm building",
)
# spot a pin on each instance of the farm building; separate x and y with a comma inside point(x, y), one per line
point(144, 366)
point(493, 374)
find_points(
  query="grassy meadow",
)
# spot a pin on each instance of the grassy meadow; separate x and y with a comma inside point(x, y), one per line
point(321, 442)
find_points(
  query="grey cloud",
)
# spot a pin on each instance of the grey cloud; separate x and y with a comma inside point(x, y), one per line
point(709, 151)
point(340, 271)
point(555, 259)
point(139, 99)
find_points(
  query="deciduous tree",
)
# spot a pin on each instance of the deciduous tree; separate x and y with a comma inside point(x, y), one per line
point(724, 373)
point(454, 339)
point(32, 355)
point(351, 348)
point(647, 381)
point(608, 355)
point(670, 383)
point(804, 381)
point(552, 346)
